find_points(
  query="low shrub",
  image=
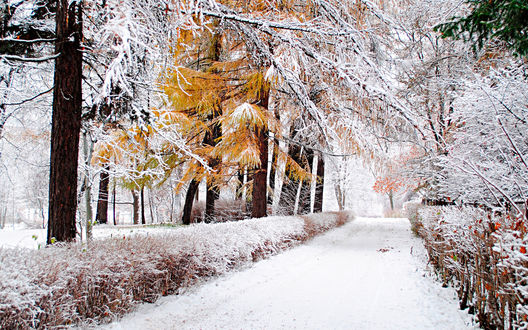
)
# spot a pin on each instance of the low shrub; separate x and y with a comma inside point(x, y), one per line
point(67, 285)
point(410, 209)
point(484, 256)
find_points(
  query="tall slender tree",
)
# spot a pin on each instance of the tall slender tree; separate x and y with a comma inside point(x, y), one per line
point(66, 122)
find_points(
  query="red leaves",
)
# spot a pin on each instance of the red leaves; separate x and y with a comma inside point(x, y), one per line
point(523, 249)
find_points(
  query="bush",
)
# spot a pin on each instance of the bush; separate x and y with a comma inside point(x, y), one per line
point(485, 257)
point(67, 285)
point(410, 209)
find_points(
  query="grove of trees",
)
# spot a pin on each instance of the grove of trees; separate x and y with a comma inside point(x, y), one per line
point(256, 98)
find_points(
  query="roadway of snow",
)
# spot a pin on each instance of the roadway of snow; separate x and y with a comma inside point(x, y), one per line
point(368, 274)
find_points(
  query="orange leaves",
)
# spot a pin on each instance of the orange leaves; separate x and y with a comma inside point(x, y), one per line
point(122, 143)
point(523, 249)
point(384, 185)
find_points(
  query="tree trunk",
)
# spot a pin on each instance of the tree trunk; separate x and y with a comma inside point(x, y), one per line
point(87, 151)
point(135, 207)
point(273, 169)
point(211, 136)
point(391, 200)
point(259, 201)
point(306, 185)
point(66, 122)
point(114, 204)
point(142, 195)
point(319, 186)
point(189, 200)
point(102, 200)
point(340, 197)
point(213, 192)
point(151, 208)
point(212, 195)
point(240, 184)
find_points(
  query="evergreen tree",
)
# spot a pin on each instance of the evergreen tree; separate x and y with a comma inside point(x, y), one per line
point(505, 20)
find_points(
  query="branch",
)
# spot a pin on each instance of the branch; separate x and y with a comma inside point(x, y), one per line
point(29, 59)
point(26, 41)
point(31, 98)
point(512, 143)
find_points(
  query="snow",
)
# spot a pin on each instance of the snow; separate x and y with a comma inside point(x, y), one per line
point(22, 238)
point(17, 236)
point(368, 274)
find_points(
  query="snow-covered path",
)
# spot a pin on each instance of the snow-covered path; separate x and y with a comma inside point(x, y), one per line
point(368, 274)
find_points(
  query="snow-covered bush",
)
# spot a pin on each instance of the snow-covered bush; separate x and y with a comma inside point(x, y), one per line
point(66, 285)
point(410, 209)
point(485, 256)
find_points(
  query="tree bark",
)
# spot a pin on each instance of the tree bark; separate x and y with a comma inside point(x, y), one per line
point(87, 151)
point(259, 201)
point(102, 200)
point(319, 186)
point(189, 200)
point(391, 200)
point(142, 199)
point(211, 136)
point(213, 192)
point(306, 185)
point(135, 207)
point(114, 204)
point(66, 122)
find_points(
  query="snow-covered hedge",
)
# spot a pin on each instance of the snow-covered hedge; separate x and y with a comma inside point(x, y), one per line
point(67, 285)
point(484, 256)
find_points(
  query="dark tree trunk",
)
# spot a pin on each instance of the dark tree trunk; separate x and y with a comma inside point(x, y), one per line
point(142, 198)
point(306, 185)
point(114, 205)
point(66, 122)
point(240, 184)
point(102, 200)
point(210, 198)
point(259, 201)
point(135, 207)
point(213, 192)
point(189, 200)
point(211, 136)
point(319, 186)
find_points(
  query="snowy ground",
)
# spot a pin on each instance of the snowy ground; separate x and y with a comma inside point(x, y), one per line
point(21, 237)
point(368, 274)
